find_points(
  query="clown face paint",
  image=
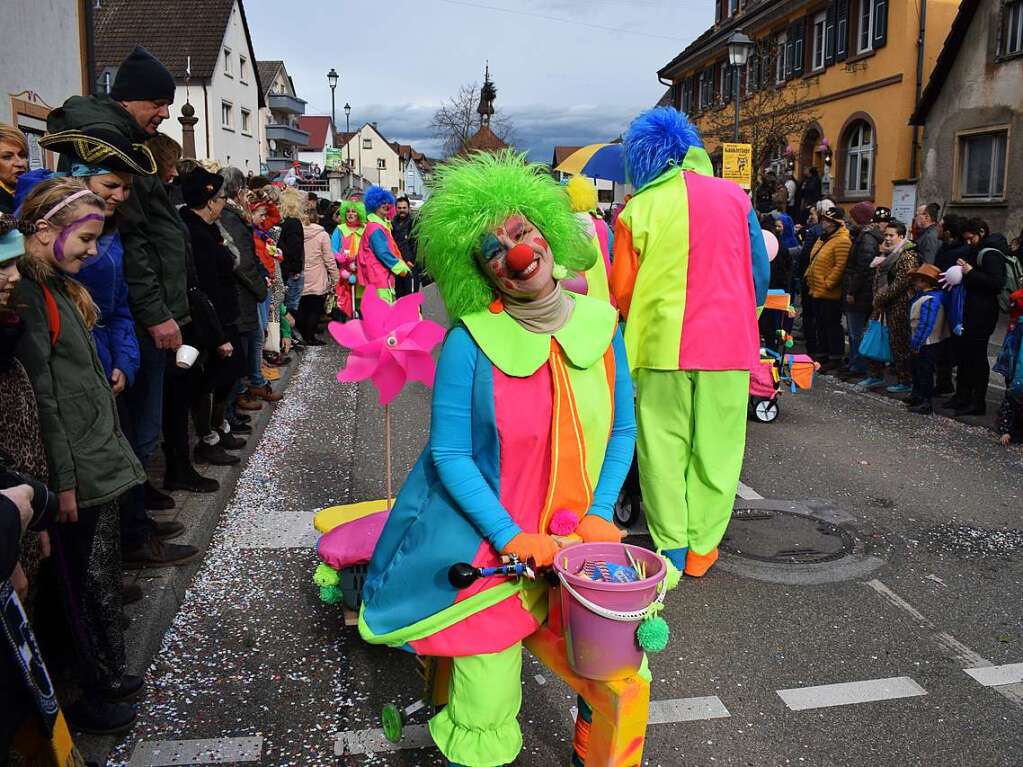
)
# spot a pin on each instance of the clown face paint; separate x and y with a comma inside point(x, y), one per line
point(76, 242)
point(517, 259)
point(352, 218)
point(387, 212)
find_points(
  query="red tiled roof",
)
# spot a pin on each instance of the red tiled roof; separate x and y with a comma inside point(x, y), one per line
point(485, 140)
point(316, 126)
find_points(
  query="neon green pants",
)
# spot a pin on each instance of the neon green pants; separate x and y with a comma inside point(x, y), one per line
point(478, 727)
point(692, 434)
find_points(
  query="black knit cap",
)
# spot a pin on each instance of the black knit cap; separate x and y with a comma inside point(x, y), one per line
point(141, 77)
point(199, 186)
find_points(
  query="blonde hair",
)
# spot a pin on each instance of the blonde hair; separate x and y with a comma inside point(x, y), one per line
point(11, 135)
point(40, 201)
point(292, 203)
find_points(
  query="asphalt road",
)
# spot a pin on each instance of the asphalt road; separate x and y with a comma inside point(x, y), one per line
point(933, 589)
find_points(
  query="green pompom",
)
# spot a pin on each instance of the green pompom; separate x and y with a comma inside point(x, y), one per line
point(330, 594)
point(653, 634)
point(326, 575)
point(673, 576)
point(559, 272)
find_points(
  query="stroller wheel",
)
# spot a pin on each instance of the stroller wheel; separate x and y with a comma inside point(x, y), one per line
point(766, 410)
point(627, 509)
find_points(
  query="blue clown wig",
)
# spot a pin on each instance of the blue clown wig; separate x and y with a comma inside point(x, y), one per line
point(656, 140)
point(375, 197)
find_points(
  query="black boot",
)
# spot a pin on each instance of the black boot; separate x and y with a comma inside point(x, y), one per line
point(181, 475)
point(98, 717)
point(214, 454)
point(229, 441)
point(155, 500)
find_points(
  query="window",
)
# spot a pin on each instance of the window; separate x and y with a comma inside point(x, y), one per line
point(982, 165)
point(1013, 33)
point(243, 68)
point(227, 114)
point(753, 71)
point(727, 83)
point(733, 7)
point(859, 158)
point(705, 84)
point(819, 28)
point(247, 122)
point(381, 163)
point(865, 27)
point(779, 57)
point(227, 63)
point(367, 143)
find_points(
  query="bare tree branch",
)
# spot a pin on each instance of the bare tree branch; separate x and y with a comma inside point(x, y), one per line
point(456, 121)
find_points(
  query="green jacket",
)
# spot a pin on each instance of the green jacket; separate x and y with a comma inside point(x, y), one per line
point(85, 448)
point(154, 241)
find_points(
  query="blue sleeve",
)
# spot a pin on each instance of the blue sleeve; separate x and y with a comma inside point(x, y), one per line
point(335, 240)
point(620, 447)
point(928, 316)
point(451, 441)
point(761, 264)
point(122, 328)
point(378, 242)
point(611, 242)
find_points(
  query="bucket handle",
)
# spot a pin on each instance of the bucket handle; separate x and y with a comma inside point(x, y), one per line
point(615, 615)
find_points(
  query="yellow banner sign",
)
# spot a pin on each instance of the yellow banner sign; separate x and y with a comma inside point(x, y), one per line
point(737, 164)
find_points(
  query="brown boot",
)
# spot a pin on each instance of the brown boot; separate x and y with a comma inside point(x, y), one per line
point(265, 393)
point(248, 402)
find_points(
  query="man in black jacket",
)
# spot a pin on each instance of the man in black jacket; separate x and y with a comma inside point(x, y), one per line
point(983, 279)
point(401, 229)
point(858, 286)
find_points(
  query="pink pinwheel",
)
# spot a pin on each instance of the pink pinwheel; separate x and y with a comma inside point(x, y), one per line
point(390, 345)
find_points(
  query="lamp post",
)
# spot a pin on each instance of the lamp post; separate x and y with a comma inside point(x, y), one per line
point(332, 78)
point(739, 47)
point(348, 135)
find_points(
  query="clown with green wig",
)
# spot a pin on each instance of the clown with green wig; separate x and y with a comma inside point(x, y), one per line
point(531, 436)
point(345, 242)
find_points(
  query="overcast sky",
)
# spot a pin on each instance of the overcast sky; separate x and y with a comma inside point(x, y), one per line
point(576, 81)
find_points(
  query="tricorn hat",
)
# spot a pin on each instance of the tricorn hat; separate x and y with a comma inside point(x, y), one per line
point(102, 147)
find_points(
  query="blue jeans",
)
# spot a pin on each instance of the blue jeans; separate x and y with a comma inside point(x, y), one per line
point(253, 341)
point(856, 324)
point(263, 311)
point(144, 399)
point(293, 292)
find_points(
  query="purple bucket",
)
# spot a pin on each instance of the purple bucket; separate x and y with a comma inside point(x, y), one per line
point(599, 647)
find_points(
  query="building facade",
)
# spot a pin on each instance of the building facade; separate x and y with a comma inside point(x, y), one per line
point(858, 66)
point(313, 155)
point(28, 89)
point(972, 115)
point(213, 64)
point(372, 156)
point(279, 133)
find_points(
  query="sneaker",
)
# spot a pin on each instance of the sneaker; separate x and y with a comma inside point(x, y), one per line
point(924, 408)
point(240, 418)
point(249, 402)
point(99, 717)
point(899, 388)
point(127, 689)
point(265, 393)
point(870, 383)
point(155, 500)
point(240, 427)
point(156, 553)
point(205, 453)
point(165, 529)
point(229, 441)
point(187, 478)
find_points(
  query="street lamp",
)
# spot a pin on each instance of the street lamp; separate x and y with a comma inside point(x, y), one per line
point(739, 47)
point(348, 135)
point(332, 78)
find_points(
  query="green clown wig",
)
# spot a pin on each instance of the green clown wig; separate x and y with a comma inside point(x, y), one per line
point(474, 195)
point(348, 205)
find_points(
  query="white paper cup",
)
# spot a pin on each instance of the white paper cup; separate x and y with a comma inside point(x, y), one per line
point(187, 355)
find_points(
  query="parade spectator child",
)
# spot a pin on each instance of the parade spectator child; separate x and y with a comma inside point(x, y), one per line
point(928, 328)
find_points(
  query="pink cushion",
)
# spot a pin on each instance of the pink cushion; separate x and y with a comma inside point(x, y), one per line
point(353, 542)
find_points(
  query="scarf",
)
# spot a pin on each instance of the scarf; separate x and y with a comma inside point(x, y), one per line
point(887, 262)
point(541, 315)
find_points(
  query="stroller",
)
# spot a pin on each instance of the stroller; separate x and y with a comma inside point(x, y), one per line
point(778, 367)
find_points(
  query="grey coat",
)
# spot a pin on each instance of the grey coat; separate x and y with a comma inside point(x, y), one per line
point(251, 284)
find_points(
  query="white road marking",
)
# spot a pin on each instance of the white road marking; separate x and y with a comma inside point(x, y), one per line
point(163, 753)
point(849, 693)
point(374, 742)
point(687, 710)
point(996, 676)
point(1011, 690)
point(747, 493)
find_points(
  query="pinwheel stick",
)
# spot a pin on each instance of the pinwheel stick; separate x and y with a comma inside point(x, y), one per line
point(387, 451)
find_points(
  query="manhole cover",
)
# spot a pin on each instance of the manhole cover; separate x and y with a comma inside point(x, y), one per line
point(785, 537)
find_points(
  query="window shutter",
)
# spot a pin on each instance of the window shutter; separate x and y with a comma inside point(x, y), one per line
point(880, 23)
point(718, 11)
point(829, 35)
point(789, 52)
point(753, 71)
point(841, 30)
point(798, 32)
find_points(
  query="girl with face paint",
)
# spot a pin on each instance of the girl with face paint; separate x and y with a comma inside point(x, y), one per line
point(90, 463)
point(531, 437)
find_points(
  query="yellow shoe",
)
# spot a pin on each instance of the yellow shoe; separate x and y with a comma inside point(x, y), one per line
point(271, 374)
point(697, 565)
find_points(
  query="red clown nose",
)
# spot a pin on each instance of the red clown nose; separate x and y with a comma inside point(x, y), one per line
point(520, 257)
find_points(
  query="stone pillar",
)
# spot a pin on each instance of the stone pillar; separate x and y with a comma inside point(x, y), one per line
point(188, 121)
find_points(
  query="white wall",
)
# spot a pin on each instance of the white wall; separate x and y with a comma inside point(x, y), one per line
point(366, 159)
point(42, 53)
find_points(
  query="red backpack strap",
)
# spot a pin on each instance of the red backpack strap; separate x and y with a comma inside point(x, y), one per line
point(52, 315)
